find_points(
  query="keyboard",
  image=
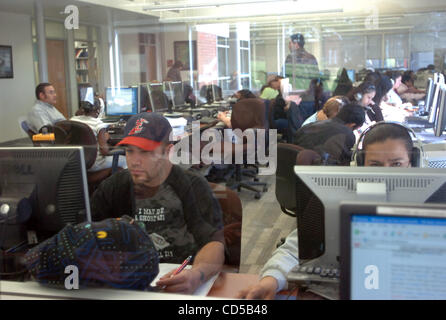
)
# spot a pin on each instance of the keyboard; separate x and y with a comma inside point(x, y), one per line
point(418, 122)
point(208, 120)
point(314, 274)
point(110, 120)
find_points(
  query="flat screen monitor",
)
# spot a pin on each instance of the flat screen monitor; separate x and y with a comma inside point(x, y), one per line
point(57, 179)
point(440, 117)
point(158, 99)
point(434, 105)
point(351, 75)
point(121, 101)
point(86, 94)
point(42, 189)
point(393, 251)
point(429, 94)
point(319, 191)
point(177, 94)
point(144, 99)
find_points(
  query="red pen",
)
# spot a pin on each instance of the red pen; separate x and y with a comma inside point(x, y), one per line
point(183, 265)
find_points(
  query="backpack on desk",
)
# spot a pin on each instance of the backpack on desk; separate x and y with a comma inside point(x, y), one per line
point(112, 253)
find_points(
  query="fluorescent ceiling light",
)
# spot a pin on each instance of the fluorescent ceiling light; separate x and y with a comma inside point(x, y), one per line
point(202, 5)
point(246, 16)
point(181, 8)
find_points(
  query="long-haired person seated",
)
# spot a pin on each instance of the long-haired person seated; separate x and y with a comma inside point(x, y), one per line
point(385, 145)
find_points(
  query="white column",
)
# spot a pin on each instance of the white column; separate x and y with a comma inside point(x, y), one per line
point(41, 41)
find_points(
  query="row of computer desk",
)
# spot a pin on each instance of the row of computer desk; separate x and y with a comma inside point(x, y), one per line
point(207, 115)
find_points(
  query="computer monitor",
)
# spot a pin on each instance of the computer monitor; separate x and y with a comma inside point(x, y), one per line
point(57, 179)
point(177, 94)
point(429, 95)
point(158, 99)
point(42, 189)
point(435, 102)
point(144, 99)
point(318, 230)
point(217, 93)
point(393, 251)
point(440, 117)
point(121, 102)
point(86, 93)
point(351, 75)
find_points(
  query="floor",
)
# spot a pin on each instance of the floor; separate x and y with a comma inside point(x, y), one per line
point(264, 224)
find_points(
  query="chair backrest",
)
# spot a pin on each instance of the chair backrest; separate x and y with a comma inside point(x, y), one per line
point(285, 177)
point(232, 210)
point(248, 113)
point(289, 155)
point(76, 133)
point(25, 127)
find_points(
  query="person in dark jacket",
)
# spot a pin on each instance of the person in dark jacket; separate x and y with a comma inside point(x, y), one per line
point(176, 207)
point(333, 139)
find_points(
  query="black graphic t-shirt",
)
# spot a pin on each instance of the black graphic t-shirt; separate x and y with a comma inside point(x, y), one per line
point(163, 218)
point(184, 205)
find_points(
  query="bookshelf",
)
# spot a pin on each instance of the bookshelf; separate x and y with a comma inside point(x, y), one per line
point(86, 62)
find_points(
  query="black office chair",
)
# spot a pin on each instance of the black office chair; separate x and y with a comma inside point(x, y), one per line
point(297, 200)
point(232, 210)
point(248, 114)
point(25, 127)
point(76, 133)
point(288, 156)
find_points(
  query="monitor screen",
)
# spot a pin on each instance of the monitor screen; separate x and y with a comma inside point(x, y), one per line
point(319, 192)
point(177, 94)
point(351, 75)
point(435, 103)
point(86, 94)
point(429, 95)
point(158, 99)
point(406, 254)
point(121, 101)
point(440, 118)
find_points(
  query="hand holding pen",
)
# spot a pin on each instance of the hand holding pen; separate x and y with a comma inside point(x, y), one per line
point(180, 280)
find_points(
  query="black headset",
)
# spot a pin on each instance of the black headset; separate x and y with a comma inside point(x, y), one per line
point(417, 158)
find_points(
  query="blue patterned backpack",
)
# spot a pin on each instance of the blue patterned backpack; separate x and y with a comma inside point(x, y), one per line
point(114, 253)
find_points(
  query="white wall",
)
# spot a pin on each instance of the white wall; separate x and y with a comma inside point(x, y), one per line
point(17, 94)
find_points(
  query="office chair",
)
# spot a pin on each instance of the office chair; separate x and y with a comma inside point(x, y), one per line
point(25, 127)
point(295, 199)
point(76, 133)
point(248, 114)
point(289, 155)
point(232, 210)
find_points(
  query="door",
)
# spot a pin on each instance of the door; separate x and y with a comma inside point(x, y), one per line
point(56, 72)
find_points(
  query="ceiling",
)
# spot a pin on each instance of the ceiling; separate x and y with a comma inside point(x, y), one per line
point(89, 13)
point(268, 18)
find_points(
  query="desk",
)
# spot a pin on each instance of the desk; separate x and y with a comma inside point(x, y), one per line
point(226, 286)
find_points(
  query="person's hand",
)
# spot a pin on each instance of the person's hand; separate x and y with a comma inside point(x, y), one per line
point(221, 116)
point(184, 282)
point(265, 290)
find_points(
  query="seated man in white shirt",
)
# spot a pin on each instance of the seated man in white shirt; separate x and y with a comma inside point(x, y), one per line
point(89, 115)
point(44, 112)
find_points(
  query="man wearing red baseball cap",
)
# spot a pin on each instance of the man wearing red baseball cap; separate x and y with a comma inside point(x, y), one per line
point(176, 207)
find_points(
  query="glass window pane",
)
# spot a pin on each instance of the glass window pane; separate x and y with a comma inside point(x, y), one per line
point(54, 30)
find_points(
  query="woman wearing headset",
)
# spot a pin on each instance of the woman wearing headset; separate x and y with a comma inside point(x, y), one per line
point(384, 145)
point(387, 145)
point(364, 95)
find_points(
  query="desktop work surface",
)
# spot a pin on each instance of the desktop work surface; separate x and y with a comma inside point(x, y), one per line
point(226, 286)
